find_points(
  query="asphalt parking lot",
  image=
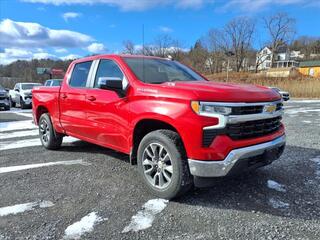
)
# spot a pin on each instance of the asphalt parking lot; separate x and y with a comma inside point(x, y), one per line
point(83, 191)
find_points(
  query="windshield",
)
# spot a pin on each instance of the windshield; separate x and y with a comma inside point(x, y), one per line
point(27, 86)
point(151, 70)
point(56, 82)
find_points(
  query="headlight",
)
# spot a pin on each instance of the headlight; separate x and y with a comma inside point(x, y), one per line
point(207, 108)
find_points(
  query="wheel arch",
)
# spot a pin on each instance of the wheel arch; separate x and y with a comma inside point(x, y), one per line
point(145, 126)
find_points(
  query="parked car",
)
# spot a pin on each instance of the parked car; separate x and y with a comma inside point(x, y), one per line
point(285, 95)
point(4, 99)
point(174, 123)
point(53, 82)
point(22, 94)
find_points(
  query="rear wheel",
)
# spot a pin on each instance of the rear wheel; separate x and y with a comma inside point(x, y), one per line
point(22, 104)
point(13, 104)
point(49, 138)
point(7, 108)
point(163, 164)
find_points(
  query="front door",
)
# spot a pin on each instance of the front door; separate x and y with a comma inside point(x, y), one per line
point(107, 112)
point(73, 100)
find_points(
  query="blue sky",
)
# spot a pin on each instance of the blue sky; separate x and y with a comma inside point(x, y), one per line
point(73, 28)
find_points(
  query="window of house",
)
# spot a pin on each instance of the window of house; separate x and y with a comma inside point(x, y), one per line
point(80, 74)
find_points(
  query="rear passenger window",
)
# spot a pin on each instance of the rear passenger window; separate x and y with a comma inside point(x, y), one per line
point(107, 68)
point(80, 74)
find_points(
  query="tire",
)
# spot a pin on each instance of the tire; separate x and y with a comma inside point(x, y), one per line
point(48, 137)
point(22, 104)
point(7, 108)
point(171, 163)
point(13, 104)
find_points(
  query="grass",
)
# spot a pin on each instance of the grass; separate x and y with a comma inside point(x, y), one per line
point(298, 86)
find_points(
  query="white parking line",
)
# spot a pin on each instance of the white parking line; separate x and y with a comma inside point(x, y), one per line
point(17, 125)
point(85, 225)
point(29, 143)
point(19, 208)
point(24, 114)
point(39, 165)
point(17, 134)
point(276, 186)
point(144, 218)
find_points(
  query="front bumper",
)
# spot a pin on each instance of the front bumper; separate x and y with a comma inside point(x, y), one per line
point(240, 159)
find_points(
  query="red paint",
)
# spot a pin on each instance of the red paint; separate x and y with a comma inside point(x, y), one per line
point(102, 117)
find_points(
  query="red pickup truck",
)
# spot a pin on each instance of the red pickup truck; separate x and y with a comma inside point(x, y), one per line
point(174, 123)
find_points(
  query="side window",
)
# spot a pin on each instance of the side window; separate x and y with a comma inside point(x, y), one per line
point(16, 86)
point(80, 74)
point(107, 68)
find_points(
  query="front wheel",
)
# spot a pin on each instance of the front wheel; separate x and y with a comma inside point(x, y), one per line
point(49, 138)
point(162, 163)
point(13, 104)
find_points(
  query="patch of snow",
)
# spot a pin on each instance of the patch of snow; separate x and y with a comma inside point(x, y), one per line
point(20, 208)
point(17, 134)
point(305, 101)
point(85, 225)
point(144, 218)
point(17, 125)
point(276, 186)
point(317, 161)
point(301, 110)
point(29, 143)
point(306, 121)
point(276, 203)
point(39, 165)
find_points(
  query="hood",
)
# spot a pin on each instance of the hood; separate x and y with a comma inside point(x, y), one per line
point(225, 92)
point(27, 92)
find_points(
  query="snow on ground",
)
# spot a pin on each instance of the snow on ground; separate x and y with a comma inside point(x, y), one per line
point(276, 203)
point(85, 225)
point(301, 110)
point(306, 121)
point(39, 165)
point(17, 125)
point(305, 101)
point(144, 218)
point(29, 143)
point(317, 161)
point(276, 186)
point(17, 134)
point(20, 208)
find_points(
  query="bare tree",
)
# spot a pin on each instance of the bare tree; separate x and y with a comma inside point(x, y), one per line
point(281, 30)
point(238, 37)
point(128, 47)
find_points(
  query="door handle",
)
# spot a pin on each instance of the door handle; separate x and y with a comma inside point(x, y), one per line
point(64, 96)
point(91, 98)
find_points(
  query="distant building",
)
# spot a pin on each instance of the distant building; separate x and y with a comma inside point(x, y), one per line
point(283, 58)
point(310, 68)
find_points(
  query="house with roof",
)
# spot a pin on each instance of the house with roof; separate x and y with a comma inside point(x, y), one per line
point(310, 68)
point(284, 58)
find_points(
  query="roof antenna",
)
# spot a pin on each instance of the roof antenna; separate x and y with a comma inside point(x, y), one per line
point(143, 53)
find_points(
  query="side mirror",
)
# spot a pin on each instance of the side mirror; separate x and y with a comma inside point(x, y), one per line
point(17, 90)
point(110, 83)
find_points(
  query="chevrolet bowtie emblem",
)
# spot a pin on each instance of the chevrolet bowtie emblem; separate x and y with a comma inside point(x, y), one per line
point(270, 108)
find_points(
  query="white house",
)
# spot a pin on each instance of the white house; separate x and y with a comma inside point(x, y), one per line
point(283, 58)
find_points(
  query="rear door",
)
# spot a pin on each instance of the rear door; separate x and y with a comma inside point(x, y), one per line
point(73, 100)
point(107, 112)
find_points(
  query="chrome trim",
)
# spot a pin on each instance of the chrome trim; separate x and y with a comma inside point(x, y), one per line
point(241, 104)
point(232, 119)
point(222, 168)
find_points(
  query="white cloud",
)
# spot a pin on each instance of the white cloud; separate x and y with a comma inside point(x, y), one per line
point(70, 57)
point(61, 50)
point(9, 55)
point(28, 35)
point(127, 5)
point(69, 15)
point(258, 5)
point(96, 48)
point(165, 29)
